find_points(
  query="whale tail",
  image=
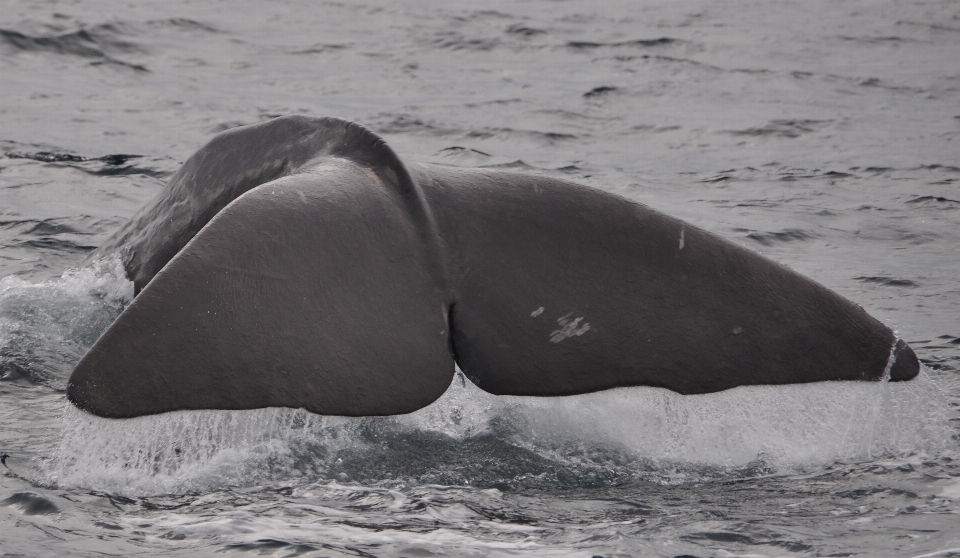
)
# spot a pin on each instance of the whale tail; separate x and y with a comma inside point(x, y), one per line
point(298, 263)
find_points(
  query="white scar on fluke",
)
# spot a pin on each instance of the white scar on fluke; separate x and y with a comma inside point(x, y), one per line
point(569, 328)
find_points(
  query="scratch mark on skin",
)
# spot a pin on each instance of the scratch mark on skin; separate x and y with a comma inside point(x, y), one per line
point(303, 197)
point(536, 312)
point(569, 328)
point(373, 176)
point(681, 237)
point(392, 176)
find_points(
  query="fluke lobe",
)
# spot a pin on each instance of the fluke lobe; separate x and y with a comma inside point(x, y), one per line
point(300, 263)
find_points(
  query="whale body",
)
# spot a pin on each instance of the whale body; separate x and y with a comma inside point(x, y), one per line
point(299, 263)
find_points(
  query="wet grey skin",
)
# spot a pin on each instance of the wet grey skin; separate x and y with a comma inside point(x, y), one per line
point(300, 263)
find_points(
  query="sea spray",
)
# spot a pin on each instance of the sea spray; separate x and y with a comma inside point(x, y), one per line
point(46, 327)
point(474, 438)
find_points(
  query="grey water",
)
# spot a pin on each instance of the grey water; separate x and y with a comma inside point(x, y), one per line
point(823, 134)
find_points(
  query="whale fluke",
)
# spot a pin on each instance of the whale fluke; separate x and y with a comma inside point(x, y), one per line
point(562, 289)
point(300, 263)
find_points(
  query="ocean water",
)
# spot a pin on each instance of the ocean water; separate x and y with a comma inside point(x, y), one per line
point(822, 134)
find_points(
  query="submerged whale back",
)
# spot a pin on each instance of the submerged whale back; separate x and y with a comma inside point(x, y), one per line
point(298, 263)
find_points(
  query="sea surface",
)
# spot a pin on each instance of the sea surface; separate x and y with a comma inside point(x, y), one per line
point(824, 134)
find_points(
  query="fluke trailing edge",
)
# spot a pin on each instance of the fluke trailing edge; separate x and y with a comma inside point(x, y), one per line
point(299, 263)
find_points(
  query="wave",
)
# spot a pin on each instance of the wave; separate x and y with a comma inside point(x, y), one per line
point(93, 42)
point(112, 165)
point(660, 41)
point(99, 42)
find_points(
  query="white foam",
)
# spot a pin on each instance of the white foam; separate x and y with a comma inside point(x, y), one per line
point(784, 427)
point(778, 428)
point(46, 327)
